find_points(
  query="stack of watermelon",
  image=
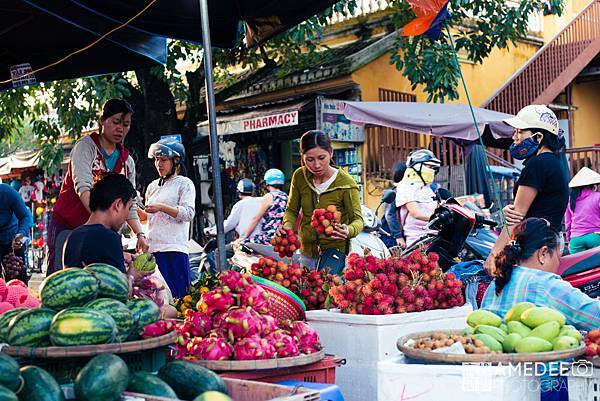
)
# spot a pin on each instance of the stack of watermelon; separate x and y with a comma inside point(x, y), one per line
point(80, 307)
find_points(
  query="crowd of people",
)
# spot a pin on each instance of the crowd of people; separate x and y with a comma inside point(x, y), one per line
point(98, 198)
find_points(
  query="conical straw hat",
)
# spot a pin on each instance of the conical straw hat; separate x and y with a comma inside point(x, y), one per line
point(585, 176)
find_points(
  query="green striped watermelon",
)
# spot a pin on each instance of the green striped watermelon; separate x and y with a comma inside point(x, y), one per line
point(5, 318)
point(10, 377)
point(82, 326)
point(144, 311)
point(67, 288)
point(118, 311)
point(113, 282)
point(30, 328)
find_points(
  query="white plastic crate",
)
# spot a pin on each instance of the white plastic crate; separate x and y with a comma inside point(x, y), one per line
point(365, 340)
point(400, 381)
point(584, 387)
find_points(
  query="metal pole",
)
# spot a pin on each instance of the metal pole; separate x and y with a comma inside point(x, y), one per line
point(214, 139)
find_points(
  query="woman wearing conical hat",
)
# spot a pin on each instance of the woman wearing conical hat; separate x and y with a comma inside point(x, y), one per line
point(582, 218)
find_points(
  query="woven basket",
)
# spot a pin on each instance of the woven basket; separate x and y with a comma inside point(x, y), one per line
point(285, 305)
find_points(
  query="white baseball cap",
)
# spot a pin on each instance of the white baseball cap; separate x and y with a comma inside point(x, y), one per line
point(535, 116)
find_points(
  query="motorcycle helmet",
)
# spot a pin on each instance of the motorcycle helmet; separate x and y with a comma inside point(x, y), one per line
point(245, 186)
point(171, 148)
point(370, 219)
point(274, 177)
point(423, 156)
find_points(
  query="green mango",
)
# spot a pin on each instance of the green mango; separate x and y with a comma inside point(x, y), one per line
point(480, 316)
point(495, 332)
point(468, 331)
point(514, 313)
point(489, 341)
point(510, 341)
point(515, 326)
point(571, 333)
point(565, 342)
point(532, 344)
point(537, 316)
point(504, 328)
point(547, 331)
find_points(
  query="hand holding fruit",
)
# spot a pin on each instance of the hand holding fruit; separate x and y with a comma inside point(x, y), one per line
point(157, 207)
point(286, 243)
point(340, 231)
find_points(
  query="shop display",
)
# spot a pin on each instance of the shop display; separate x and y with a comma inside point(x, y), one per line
point(376, 286)
point(233, 322)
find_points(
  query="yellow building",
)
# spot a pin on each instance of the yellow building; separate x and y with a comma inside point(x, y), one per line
point(557, 64)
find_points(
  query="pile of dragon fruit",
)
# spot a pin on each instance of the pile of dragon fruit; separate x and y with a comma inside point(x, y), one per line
point(232, 322)
point(376, 286)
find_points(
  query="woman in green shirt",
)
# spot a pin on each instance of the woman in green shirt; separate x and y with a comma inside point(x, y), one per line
point(317, 185)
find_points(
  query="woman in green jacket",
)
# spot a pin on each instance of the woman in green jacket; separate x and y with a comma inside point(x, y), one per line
point(319, 184)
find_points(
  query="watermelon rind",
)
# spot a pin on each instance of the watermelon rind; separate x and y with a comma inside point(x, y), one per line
point(118, 311)
point(68, 288)
point(31, 328)
point(113, 283)
point(82, 326)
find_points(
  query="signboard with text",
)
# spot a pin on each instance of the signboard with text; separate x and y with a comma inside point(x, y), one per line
point(332, 121)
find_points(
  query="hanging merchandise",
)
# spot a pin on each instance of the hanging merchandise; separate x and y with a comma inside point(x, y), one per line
point(227, 153)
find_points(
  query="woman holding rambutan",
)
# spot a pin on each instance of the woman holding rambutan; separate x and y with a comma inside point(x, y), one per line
point(321, 186)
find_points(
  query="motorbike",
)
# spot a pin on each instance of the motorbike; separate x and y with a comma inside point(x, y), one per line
point(462, 234)
point(582, 270)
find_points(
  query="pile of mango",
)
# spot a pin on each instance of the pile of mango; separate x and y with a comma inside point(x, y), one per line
point(525, 328)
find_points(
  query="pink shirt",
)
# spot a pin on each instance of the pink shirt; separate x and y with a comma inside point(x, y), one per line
point(586, 217)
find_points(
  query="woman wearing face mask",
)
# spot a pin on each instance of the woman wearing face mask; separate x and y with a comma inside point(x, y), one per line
point(170, 205)
point(414, 196)
point(542, 189)
point(526, 272)
point(91, 156)
point(582, 219)
point(319, 184)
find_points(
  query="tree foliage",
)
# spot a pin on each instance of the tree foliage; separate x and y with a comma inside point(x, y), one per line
point(70, 107)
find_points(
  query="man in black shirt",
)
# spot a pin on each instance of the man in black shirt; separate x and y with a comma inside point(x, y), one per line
point(97, 241)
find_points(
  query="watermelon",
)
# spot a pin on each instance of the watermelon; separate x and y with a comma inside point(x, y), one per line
point(190, 380)
point(7, 395)
point(67, 288)
point(30, 328)
point(103, 378)
point(5, 318)
point(213, 396)
point(113, 283)
point(118, 311)
point(10, 377)
point(82, 326)
point(144, 311)
point(39, 385)
point(147, 383)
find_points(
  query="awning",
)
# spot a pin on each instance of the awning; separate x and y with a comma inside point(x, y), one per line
point(258, 119)
point(445, 120)
point(25, 159)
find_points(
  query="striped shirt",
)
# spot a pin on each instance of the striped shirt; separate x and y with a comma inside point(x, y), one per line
point(544, 289)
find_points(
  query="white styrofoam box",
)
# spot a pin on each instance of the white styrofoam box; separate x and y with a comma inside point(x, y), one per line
point(400, 381)
point(373, 338)
point(584, 383)
point(364, 340)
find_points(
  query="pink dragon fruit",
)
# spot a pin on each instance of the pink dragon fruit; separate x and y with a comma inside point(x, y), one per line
point(213, 348)
point(285, 345)
point(217, 300)
point(158, 329)
point(3, 289)
point(252, 348)
point(235, 280)
point(243, 322)
point(197, 323)
point(269, 324)
point(308, 339)
point(256, 297)
point(182, 341)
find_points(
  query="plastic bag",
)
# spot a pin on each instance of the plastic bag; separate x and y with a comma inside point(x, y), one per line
point(153, 287)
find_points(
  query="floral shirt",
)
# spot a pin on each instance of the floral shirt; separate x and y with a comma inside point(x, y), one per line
point(166, 233)
point(272, 219)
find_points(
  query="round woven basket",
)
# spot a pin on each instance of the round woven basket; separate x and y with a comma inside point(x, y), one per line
point(285, 305)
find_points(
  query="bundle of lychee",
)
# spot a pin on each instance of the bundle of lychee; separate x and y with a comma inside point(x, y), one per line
point(233, 321)
point(376, 286)
point(592, 344)
point(13, 266)
point(279, 272)
point(285, 244)
point(324, 219)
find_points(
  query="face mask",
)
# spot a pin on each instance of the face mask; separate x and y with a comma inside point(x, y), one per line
point(525, 149)
point(427, 175)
